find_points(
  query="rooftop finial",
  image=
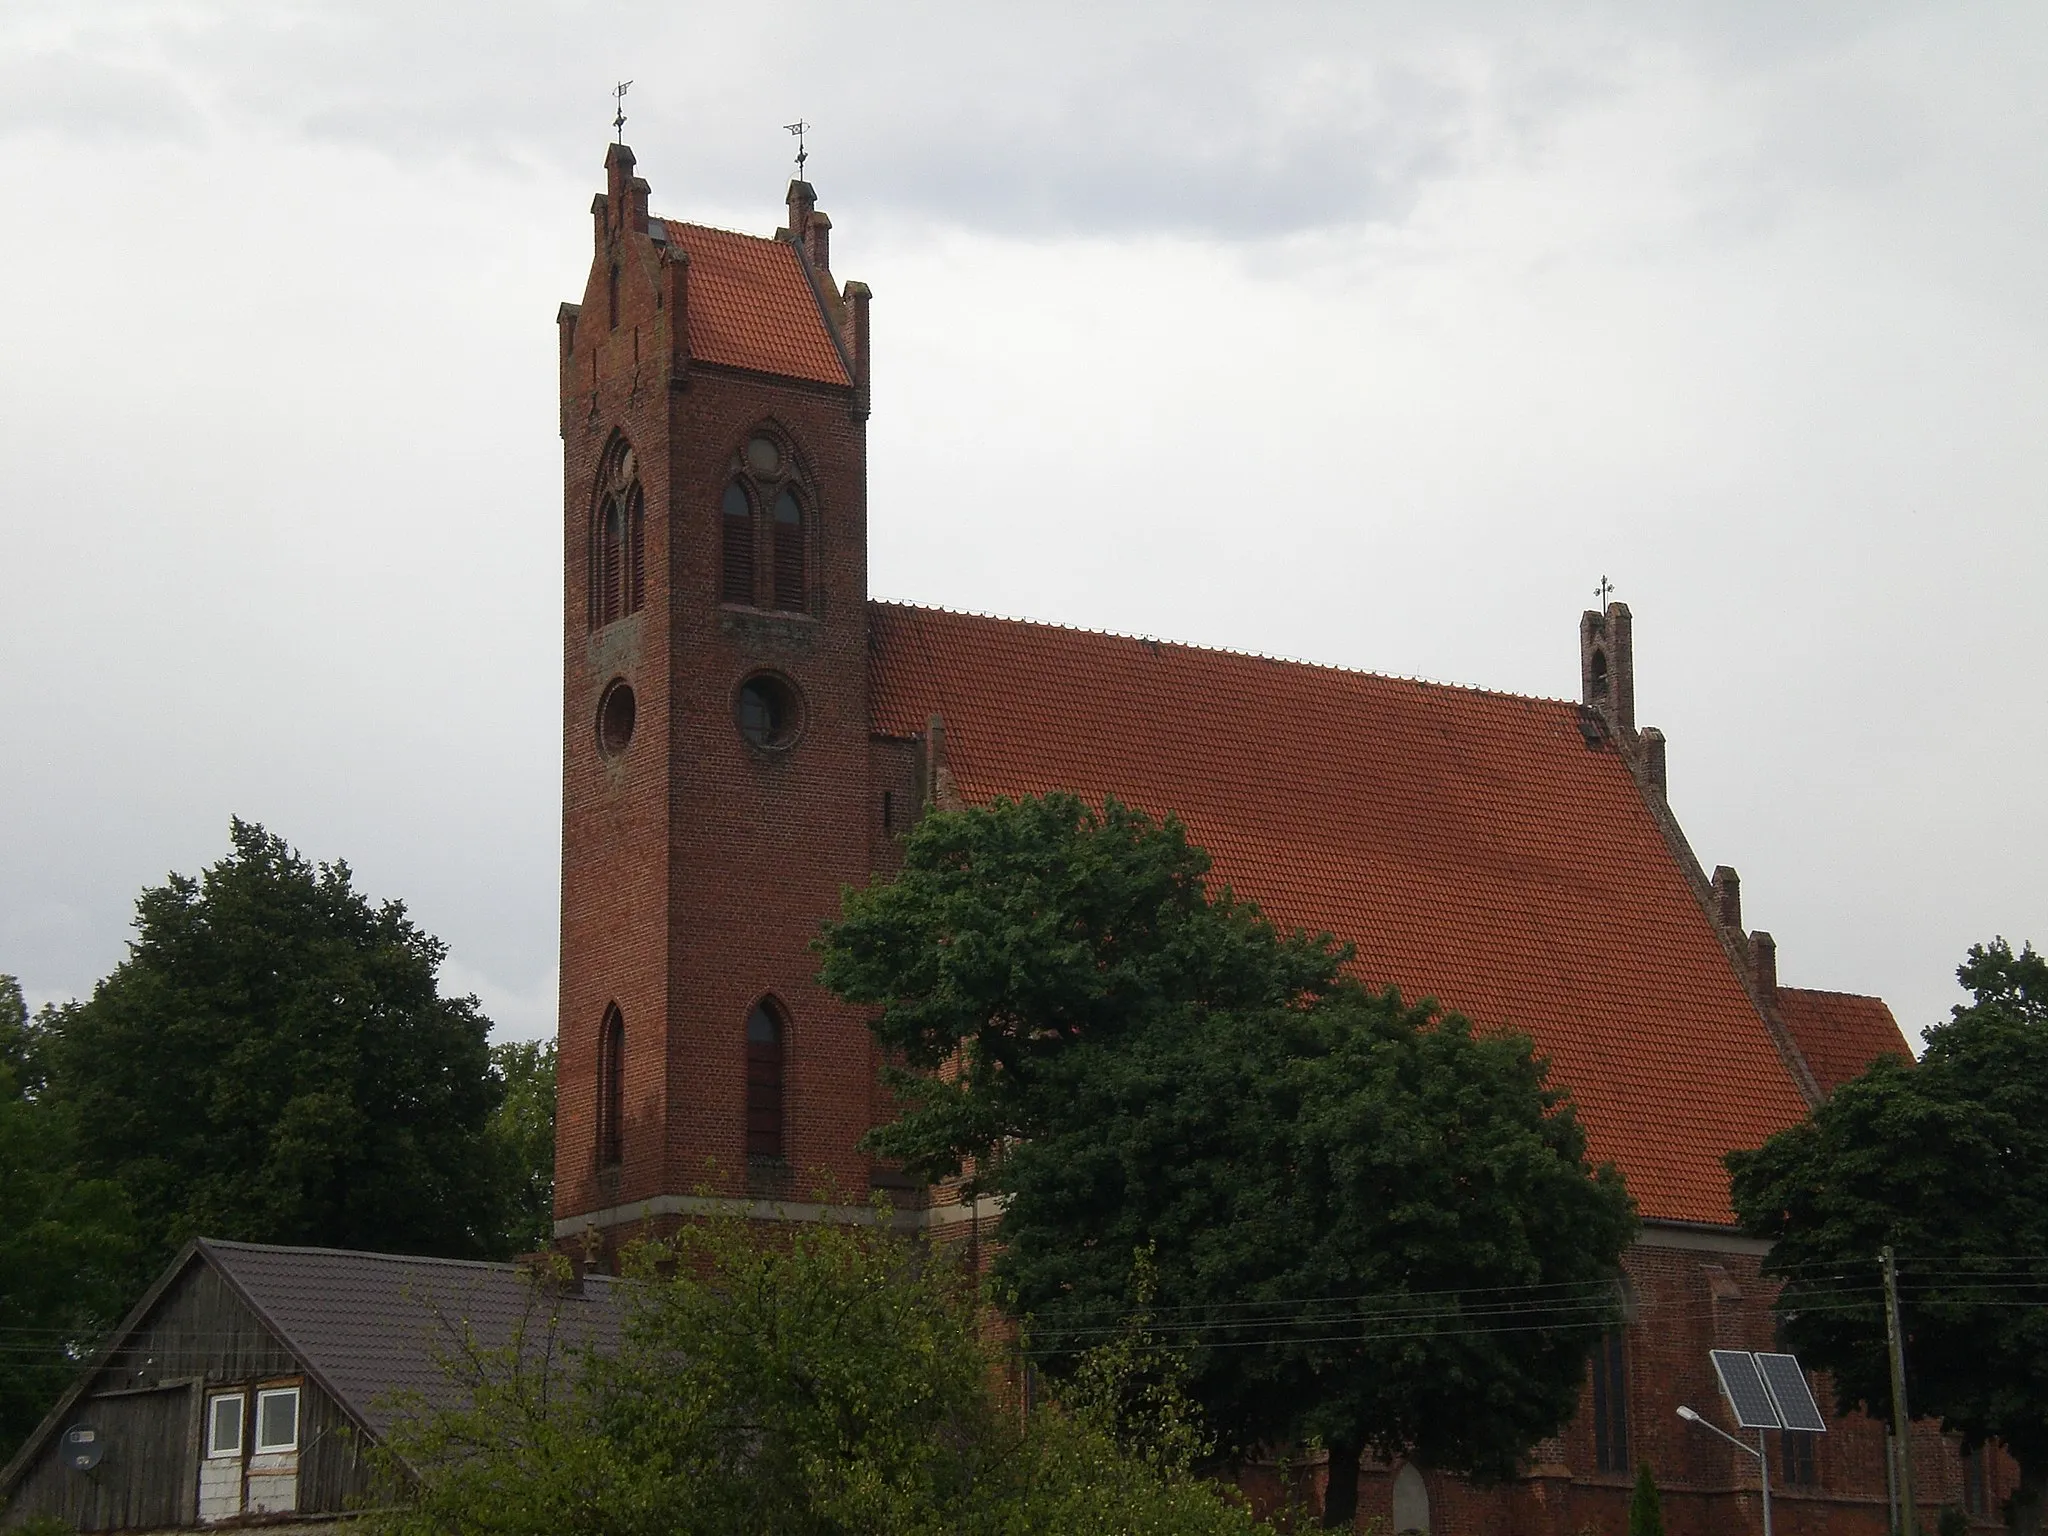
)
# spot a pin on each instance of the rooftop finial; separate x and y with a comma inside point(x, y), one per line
point(800, 128)
point(1604, 591)
point(619, 119)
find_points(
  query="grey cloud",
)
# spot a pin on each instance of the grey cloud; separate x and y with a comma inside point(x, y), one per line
point(1226, 121)
point(76, 96)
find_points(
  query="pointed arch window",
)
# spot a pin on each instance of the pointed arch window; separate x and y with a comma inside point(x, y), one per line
point(611, 1089)
point(767, 512)
point(766, 1034)
point(737, 509)
point(618, 538)
point(789, 552)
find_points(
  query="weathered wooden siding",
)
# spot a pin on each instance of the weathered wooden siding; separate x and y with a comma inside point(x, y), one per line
point(147, 1402)
point(141, 1480)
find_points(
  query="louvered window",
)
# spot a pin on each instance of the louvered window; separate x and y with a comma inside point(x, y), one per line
point(738, 508)
point(764, 1082)
point(789, 553)
point(767, 511)
point(611, 1089)
point(611, 557)
point(618, 539)
point(636, 551)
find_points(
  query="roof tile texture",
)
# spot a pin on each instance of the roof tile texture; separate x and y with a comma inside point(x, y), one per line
point(375, 1326)
point(752, 307)
point(1840, 1033)
point(1470, 845)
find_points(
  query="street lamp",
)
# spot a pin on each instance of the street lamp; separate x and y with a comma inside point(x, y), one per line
point(1763, 1461)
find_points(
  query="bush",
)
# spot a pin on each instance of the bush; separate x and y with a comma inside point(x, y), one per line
point(1645, 1510)
point(801, 1380)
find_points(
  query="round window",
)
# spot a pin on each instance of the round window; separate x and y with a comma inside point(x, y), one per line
point(767, 711)
point(615, 716)
point(764, 457)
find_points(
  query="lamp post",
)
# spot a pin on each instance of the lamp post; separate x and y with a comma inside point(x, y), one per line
point(1761, 1451)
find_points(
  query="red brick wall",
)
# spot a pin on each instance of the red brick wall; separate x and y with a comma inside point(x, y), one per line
point(1685, 1301)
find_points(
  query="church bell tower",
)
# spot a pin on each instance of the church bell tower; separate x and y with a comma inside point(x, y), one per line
point(715, 739)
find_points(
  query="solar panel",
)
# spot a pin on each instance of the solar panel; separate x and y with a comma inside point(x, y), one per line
point(1787, 1384)
point(1744, 1388)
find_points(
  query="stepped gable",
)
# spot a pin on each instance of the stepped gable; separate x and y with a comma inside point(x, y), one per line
point(1840, 1033)
point(751, 306)
point(1472, 845)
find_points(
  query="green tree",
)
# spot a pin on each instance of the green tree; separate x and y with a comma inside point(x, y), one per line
point(522, 1133)
point(1645, 1510)
point(1371, 1225)
point(1946, 1161)
point(1016, 931)
point(274, 1063)
point(66, 1243)
point(809, 1381)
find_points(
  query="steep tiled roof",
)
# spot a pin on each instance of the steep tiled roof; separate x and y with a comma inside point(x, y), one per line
point(1471, 844)
point(374, 1326)
point(752, 307)
point(1840, 1033)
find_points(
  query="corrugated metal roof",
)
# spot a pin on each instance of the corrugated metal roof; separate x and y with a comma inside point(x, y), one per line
point(752, 307)
point(374, 1327)
point(1840, 1033)
point(1471, 844)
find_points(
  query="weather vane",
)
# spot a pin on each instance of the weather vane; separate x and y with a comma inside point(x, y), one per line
point(1602, 591)
point(619, 121)
point(800, 128)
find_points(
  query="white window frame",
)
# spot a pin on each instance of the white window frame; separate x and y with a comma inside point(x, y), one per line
point(215, 1451)
point(263, 1396)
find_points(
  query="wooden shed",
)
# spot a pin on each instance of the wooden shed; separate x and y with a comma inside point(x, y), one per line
point(248, 1384)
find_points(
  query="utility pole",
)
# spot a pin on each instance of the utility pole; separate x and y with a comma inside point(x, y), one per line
point(1902, 1422)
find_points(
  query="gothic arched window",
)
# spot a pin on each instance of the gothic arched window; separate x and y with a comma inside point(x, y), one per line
point(611, 1089)
point(767, 509)
point(618, 538)
point(737, 514)
point(765, 1040)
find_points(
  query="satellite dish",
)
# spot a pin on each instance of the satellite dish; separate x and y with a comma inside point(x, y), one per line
point(83, 1447)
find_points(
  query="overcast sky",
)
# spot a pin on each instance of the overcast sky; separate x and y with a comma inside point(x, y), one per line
point(1368, 334)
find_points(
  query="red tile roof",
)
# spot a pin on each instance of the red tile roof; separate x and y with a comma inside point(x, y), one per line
point(1840, 1033)
point(1471, 845)
point(752, 307)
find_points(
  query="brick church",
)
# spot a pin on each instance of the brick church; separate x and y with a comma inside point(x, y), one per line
point(745, 732)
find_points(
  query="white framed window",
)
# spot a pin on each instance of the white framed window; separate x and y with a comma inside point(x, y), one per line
point(277, 1420)
point(224, 1424)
